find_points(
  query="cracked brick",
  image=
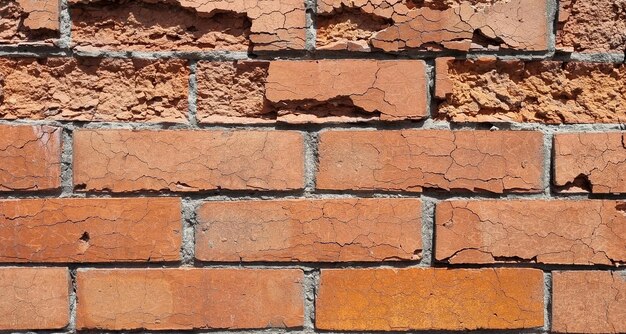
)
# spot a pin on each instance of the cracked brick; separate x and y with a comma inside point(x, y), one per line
point(398, 25)
point(552, 92)
point(589, 302)
point(531, 231)
point(34, 298)
point(30, 158)
point(590, 162)
point(414, 160)
point(179, 299)
point(310, 230)
point(187, 161)
point(323, 91)
point(94, 89)
point(90, 230)
point(429, 299)
point(188, 25)
point(29, 21)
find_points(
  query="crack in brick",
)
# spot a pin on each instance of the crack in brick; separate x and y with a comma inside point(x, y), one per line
point(29, 21)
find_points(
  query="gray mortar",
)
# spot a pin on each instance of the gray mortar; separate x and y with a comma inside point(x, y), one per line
point(189, 209)
point(192, 98)
point(547, 301)
point(311, 285)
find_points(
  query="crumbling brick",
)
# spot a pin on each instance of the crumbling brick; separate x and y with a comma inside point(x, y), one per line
point(29, 21)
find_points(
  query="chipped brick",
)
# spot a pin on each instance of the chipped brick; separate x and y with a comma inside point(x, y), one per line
point(409, 160)
point(590, 162)
point(30, 158)
point(589, 302)
point(34, 298)
point(177, 299)
point(189, 161)
point(553, 92)
point(29, 21)
point(429, 299)
point(90, 230)
point(397, 25)
point(310, 230)
point(188, 25)
point(531, 231)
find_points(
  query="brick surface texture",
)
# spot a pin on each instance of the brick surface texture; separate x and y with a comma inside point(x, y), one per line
point(310, 167)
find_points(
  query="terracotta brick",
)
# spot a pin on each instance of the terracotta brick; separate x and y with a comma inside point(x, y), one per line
point(94, 89)
point(310, 230)
point(553, 232)
point(589, 302)
point(29, 21)
point(429, 299)
point(552, 92)
point(30, 158)
point(90, 230)
point(34, 298)
point(323, 91)
point(188, 25)
point(177, 299)
point(590, 162)
point(189, 161)
point(414, 160)
point(399, 25)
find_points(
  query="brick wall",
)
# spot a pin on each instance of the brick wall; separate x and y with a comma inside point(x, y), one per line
point(313, 166)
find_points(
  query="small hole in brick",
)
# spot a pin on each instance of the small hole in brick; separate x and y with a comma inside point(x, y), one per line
point(85, 237)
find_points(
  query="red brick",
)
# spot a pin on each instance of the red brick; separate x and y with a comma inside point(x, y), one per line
point(177, 299)
point(553, 232)
point(589, 302)
point(429, 299)
point(190, 161)
point(30, 158)
point(409, 160)
point(590, 162)
point(29, 21)
point(90, 230)
point(34, 298)
point(310, 230)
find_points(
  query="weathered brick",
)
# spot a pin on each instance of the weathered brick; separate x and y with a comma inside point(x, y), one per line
point(399, 25)
point(323, 91)
point(555, 232)
point(554, 92)
point(34, 298)
point(29, 21)
point(589, 302)
point(90, 230)
point(409, 160)
point(310, 230)
point(188, 25)
point(94, 89)
point(590, 162)
point(190, 161)
point(30, 158)
point(429, 299)
point(176, 299)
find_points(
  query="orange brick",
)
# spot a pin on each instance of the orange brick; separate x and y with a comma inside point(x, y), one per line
point(34, 298)
point(176, 299)
point(29, 21)
point(90, 230)
point(310, 230)
point(409, 160)
point(429, 299)
point(190, 161)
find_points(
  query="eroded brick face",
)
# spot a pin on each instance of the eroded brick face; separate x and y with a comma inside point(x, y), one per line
point(188, 25)
point(176, 299)
point(29, 21)
point(310, 230)
point(531, 231)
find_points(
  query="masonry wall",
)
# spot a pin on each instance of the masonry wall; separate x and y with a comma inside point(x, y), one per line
point(308, 167)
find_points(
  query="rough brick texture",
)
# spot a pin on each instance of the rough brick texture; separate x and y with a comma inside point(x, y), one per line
point(428, 298)
point(589, 302)
point(34, 298)
point(323, 91)
point(158, 299)
point(407, 160)
point(553, 232)
point(590, 162)
point(29, 21)
point(310, 230)
point(30, 158)
point(90, 230)
point(553, 92)
point(189, 161)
